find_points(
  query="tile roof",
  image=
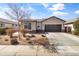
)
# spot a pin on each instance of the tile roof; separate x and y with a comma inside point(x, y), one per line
point(41, 20)
point(7, 21)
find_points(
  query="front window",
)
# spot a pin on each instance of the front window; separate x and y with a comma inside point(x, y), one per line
point(12, 24)
point(27, 25)
point(1, 25)
point(15, 24)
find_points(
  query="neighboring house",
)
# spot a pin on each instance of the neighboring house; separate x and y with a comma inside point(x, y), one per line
point(51, 24)
point(8, 24)
point(69, 25)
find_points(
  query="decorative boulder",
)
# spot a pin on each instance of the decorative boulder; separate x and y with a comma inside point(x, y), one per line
point(14, 41)
point(15, 34)
point(28, 35)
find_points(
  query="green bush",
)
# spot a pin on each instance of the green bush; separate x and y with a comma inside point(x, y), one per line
point(2, 31)
point(75, 32)
point(76, 27)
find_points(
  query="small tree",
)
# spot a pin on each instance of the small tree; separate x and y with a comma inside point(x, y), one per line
point(18, 13)
point(76, 26)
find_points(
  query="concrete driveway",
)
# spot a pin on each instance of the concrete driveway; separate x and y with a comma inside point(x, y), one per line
point(67, 44)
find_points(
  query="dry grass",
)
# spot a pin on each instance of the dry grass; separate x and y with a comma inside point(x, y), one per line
point(5, 40)
point(39, 39)
point(35, 39)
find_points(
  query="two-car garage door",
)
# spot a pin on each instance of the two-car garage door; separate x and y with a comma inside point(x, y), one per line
point(52, 28)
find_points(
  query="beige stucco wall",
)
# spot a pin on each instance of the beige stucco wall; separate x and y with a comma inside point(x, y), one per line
point(33, 25)
point(52, 21)
point(70, 25)
point(39, 25)
point(8, 25)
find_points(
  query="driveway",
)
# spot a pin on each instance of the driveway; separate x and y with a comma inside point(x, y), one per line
point(67, 44)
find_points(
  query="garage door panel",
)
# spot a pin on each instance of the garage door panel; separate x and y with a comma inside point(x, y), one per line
point(53, 28)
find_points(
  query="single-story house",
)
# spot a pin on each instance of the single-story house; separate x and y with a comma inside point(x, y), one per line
point(4, 23)
point(51, 24)
point(69, 25)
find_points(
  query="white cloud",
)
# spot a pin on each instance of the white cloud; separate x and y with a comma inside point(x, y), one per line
point(58, 13)
point(4, 16)
point(2, 12)
point(39, 15)
point(77, 11)
point(7, 9)
point(57, 7)
point(29, 9)
point(46, 5)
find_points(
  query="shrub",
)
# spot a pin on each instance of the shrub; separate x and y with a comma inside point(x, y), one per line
point(30, 42)
point(2, 31)
point(22, 30)
point(76, 26)
point(27, 38)
point(6, 39)
point(9, 31)
point(33, 35)
point(43, 41)
point(14, 41)
point(40, 41)
point(75, 32)
point(43, 35)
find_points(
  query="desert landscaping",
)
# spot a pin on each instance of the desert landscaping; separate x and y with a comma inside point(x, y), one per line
point(26, 39)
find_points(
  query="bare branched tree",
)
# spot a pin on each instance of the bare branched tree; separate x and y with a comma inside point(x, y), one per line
point(16, 12)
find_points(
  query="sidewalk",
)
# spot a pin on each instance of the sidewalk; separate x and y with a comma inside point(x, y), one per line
point(23, 50)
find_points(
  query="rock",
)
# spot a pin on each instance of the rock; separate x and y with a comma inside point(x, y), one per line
point(14, 41)
point(29, 35)
point(43, 35)
point(15, 34)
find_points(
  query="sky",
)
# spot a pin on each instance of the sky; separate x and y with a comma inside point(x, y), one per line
point(65, 11)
